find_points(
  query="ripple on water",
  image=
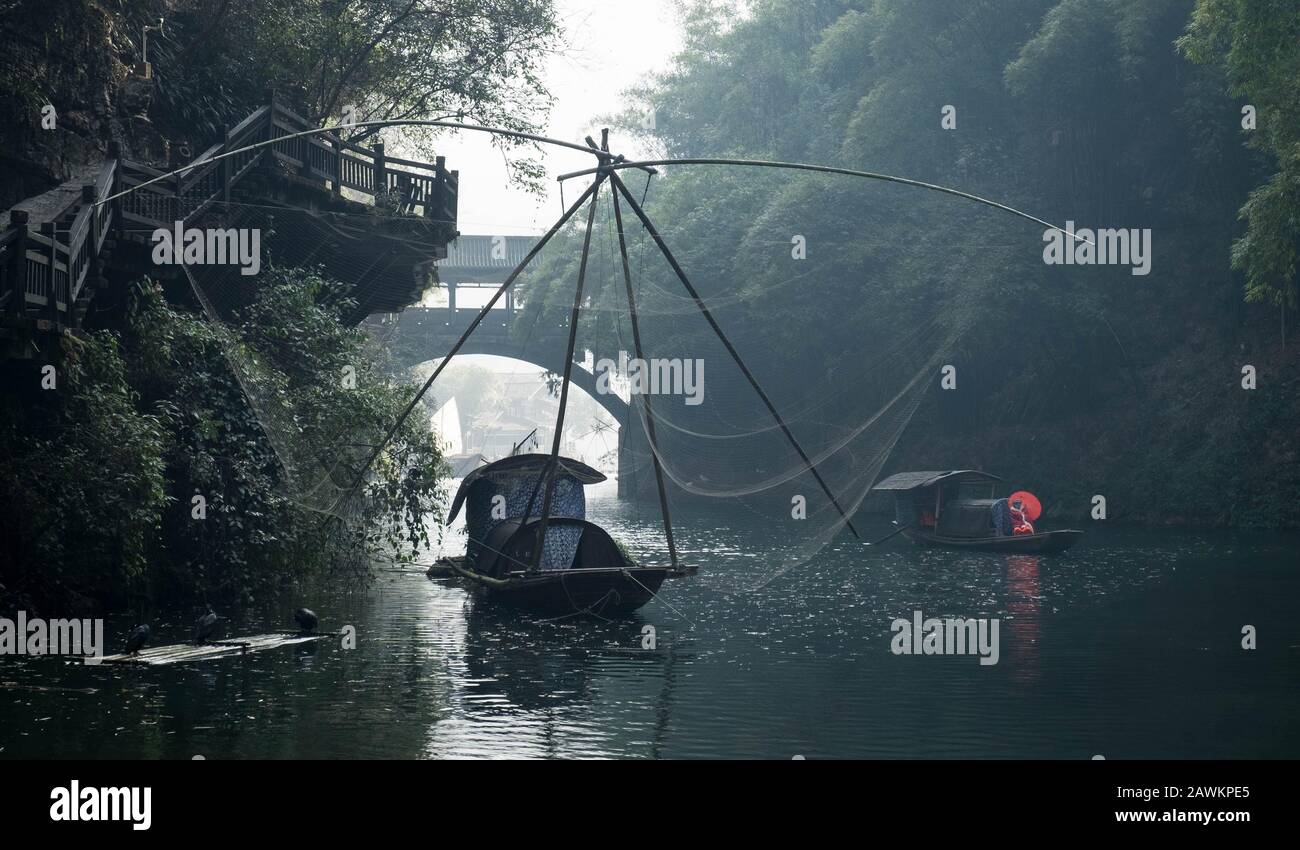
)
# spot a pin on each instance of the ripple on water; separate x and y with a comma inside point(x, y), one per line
point(1126, 646)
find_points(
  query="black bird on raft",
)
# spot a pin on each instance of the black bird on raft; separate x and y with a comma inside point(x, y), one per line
point(204, 626)
point(306, 620)
point(138, 638)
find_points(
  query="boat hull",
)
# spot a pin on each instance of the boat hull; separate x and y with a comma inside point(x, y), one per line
point(1044, 543)
point(601, 592)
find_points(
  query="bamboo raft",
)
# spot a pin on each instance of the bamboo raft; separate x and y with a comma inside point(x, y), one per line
point(179, 653)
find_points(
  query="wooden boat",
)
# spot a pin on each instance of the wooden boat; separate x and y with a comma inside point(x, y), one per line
point(956, 509)
point(1042, 543)
point(601, 591)
point(578, 568)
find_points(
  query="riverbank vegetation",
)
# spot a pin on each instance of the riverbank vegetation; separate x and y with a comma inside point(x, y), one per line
point(151, 471)
point(146, 474)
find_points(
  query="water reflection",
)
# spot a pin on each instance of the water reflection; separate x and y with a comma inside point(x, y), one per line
point(1114, 647)
point(1023, 603)
point(535, 688)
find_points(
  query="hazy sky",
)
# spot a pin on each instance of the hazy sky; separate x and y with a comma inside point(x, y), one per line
point(612, 44)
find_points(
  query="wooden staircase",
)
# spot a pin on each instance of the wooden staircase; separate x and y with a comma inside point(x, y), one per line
point(50, 271)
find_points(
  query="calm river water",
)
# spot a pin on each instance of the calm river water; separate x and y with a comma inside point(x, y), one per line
point(1128, 647)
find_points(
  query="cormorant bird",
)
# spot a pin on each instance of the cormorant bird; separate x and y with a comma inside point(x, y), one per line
point(138, 638)
point(206, 625)
point(306, 620)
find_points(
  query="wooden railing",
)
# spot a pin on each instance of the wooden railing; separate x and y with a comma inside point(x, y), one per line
point(43, 272)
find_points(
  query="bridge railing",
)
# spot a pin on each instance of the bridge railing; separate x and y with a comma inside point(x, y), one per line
point(437, 324)
point(44, 271)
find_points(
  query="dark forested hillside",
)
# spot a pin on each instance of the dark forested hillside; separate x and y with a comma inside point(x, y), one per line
point(1105, 113)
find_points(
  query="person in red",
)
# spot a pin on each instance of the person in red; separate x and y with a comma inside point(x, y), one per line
point(1020, 523)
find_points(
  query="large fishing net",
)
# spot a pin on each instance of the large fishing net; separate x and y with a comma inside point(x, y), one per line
point(780, 386)
point(758, 374)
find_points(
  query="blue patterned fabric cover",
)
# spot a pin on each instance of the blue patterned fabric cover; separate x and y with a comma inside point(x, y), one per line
point(568, 500)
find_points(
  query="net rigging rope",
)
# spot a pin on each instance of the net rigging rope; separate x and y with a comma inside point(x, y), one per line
point(850, 431)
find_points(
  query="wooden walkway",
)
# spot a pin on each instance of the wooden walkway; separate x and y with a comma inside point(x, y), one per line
point(50, 269)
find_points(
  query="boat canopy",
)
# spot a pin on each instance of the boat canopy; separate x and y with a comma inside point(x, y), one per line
point(968, 518)
point(524, 466)
point(918, 480)
point(510, 547)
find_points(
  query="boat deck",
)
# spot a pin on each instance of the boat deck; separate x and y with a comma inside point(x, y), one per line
point(1043, 543)
point(595, 590)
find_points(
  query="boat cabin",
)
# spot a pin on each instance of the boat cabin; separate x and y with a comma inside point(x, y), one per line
point(950, 503)
point(581, 568)
point(503, 504)
point(584, 544)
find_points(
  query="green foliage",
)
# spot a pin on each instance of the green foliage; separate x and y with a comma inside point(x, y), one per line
point(107, 467)
point(1257, 45)
point(87, 481)
point(1078, 110)
point(259, 530)
point(389, 59)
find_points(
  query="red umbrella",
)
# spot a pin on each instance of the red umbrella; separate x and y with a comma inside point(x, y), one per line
point(1028, 502)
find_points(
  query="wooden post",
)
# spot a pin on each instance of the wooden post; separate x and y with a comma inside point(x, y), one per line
point(434, 206)
point(52, 299)
point(643, 397)
point(381, 172)
point(337, 144)
point(18, 262)
point(547, 477)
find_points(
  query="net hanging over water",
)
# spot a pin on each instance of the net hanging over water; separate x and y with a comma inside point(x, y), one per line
point(743, 363)
point(737, 384)
point(323, 440)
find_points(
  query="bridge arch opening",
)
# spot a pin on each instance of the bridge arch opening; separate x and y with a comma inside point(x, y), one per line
point(504, 403)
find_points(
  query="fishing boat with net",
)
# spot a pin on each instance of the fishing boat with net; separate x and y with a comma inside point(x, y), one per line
point(546, 559)
point(529, 542)
point(799, 448)
point(957, 509)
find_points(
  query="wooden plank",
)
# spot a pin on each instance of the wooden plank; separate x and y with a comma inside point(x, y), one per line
point(181, 652)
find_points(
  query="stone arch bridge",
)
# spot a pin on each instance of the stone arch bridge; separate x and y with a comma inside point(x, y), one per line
point(475, 267)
